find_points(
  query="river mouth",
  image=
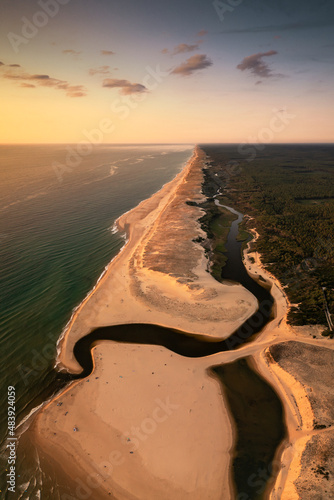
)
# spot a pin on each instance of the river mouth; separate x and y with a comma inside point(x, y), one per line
point(182, 343)
point(187, 344)
point(256, 409)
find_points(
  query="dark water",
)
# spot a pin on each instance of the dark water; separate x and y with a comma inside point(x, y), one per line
point(183, 343)
point(235, 270)
point(258, 415)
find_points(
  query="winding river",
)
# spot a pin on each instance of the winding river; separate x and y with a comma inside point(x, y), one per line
point(255, 406)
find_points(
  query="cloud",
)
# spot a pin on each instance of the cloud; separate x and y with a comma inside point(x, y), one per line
point(107, 53)
point(1, 63)
point(256, 65)
point(33, 80)
point(40, 77)
point(71, 52)
point(194, 63)
point(126, 87)
point(202, 33)
point(184, 47)
point(14, 66)
point(102, 70)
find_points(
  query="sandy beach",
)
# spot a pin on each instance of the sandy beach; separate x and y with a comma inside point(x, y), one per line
point(160, 276)
point(150, 282)
point(148, 423)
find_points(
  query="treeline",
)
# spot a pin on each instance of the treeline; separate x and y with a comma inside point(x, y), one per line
point(289, 192)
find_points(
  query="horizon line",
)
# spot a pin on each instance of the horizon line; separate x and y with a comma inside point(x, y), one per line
point(160, 143)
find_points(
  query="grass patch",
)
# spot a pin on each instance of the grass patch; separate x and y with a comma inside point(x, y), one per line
point(219, 228)
point(216, 222)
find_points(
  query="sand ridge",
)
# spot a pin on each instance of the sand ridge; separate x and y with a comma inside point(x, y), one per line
point(152, 282)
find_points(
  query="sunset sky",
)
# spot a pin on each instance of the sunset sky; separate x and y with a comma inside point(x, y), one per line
point(154, 71)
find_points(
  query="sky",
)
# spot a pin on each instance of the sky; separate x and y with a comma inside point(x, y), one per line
point(151, 71)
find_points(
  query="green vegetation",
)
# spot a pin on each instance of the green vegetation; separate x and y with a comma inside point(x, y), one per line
point(216, 222)
point(219, 226)
point(289, 193)
point(244, 235)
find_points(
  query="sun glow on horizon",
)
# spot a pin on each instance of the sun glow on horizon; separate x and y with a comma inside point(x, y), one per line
point(140, 79)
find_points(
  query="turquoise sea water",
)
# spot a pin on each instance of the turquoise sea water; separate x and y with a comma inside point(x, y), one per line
point(55, 240)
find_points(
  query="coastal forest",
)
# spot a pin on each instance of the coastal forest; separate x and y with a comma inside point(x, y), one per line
point(287, 192)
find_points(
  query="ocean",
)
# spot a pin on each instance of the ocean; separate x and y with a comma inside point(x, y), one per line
point(57, 212)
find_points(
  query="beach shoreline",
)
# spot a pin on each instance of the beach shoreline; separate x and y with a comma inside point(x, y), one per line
point(104, 274)
point(128, 291)
point(114, 229)
point(189, 294)
point(131, 292)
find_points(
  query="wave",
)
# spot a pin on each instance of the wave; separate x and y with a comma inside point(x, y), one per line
point(114, 228)
point(27, 198)
point(139, 160)
point(26, 419)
